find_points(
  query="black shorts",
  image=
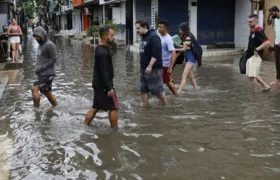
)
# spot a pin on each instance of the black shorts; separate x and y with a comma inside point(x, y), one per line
point(44, 83)
point(102, 101)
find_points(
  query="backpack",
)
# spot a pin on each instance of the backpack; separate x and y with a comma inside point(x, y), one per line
point(196, 49)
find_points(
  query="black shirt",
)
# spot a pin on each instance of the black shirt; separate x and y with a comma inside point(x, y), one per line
point(257, 37)
point(103, 69)
point(150, 46)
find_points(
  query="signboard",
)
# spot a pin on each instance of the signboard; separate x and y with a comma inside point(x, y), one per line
point(77, 3)
point(86, 1)
point(107, 1)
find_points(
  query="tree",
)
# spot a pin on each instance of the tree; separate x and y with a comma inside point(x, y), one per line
point(33, 6)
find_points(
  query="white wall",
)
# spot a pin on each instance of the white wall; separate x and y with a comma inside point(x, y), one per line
point(193, 18)
point(241, 31)
point(76, 17)
point(63, 21)
point(119, 14)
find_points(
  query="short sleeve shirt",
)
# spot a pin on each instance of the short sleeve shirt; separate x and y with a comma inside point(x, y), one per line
point(167, 45)
point(277, 30)
point(256, 38)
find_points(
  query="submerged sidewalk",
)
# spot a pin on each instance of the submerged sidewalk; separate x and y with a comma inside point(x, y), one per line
point(206, 52)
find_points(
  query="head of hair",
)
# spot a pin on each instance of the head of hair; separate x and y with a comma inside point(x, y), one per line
point(165, 23)
point(143, 23)
point(274, 9)
point(104, 30)
point(255, 16)
point(185, 28)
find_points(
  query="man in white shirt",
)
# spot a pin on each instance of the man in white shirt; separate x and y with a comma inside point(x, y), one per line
point(168, 55)
point(274, 10)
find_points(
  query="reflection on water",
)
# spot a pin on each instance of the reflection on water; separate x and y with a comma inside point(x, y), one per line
point(220, 131)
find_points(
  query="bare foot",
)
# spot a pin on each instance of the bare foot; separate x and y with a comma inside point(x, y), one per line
point(276, 82)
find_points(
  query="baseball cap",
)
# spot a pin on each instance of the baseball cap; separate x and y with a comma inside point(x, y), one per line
point(274, 9)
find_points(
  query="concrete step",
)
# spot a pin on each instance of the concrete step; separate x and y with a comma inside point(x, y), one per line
point(206, 52)
point(13, 66)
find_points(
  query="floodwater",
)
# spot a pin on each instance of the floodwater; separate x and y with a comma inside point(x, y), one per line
point(220, 131)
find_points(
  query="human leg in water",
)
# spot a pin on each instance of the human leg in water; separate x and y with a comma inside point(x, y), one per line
point(51, 98)
point(185, 75)
point(36, 96)
point(265, 86)
point(254, 84)
point(192, 79)
point(90, 115)
point(113, 117)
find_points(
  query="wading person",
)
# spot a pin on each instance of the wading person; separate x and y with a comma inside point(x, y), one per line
point(257, 42)
point(104, 94)
point(14, 32)
point(276, 16)
point(150, 63)
point(190, 60)
point(168, 55)
point(44, 68)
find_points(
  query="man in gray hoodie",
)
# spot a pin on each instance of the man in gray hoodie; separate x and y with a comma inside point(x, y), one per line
point(44, 68)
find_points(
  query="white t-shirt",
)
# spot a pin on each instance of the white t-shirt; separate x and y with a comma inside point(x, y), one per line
point(277, 30)
point(167, 46)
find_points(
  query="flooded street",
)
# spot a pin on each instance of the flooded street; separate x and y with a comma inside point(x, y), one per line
point(221, 131)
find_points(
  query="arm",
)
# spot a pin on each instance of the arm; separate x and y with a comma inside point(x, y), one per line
point(171, 48)
point(9, 30)
point(20, 31)
point(103, 65)
point(263, 46)
point(156, 51)
point(52, 58)
point(173, 59)
point(265, 42)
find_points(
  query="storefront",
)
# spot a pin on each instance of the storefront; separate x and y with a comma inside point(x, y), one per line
point(77, 15)
point(215, 22)
point(179, 13)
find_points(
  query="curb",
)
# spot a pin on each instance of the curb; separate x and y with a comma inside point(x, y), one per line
point(208, 53)
point(3, 84)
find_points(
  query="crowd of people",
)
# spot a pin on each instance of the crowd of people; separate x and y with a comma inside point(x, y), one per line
point(157, 60)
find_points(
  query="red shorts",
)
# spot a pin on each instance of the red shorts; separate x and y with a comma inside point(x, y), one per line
point(167, 77)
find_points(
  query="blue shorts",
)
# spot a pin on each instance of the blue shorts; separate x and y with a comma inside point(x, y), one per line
point(152, 82)
point(189, 57)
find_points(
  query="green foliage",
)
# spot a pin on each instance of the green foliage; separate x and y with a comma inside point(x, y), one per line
point(32, 6)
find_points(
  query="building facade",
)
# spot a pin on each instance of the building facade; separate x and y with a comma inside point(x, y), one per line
point(215, 23)
point(7, 12)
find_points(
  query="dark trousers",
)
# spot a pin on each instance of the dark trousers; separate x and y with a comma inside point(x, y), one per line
point(277, 61)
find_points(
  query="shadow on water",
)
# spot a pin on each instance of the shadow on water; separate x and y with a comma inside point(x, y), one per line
point(220, 131)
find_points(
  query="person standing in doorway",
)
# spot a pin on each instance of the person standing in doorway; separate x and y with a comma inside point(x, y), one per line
point(185, 34)
point(168, 55)
point(96, 22)
point(44, 68)
point(274, 10)
point(257, 42)
point(104, 93)
point(150, 63)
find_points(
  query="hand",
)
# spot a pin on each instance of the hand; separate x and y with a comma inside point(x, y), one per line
point(256, 52)
point(169, 70)
point(111, 93)
point(271, 48)
point(148, 70)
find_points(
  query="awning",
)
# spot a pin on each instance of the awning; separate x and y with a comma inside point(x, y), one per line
point(109, 1)
point(91, 1)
